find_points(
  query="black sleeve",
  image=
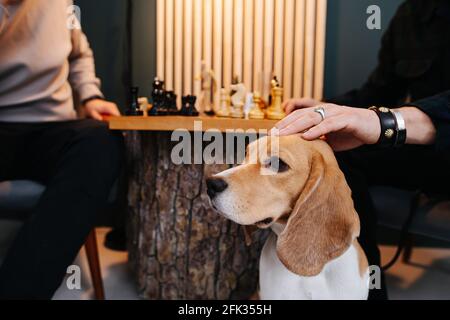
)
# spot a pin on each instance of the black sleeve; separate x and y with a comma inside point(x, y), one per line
point(438, 109)
point(384, 87)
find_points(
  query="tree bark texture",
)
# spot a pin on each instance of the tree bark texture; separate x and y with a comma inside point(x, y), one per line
point(180, 248)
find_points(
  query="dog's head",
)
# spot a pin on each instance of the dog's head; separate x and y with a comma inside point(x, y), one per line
point(297, 184)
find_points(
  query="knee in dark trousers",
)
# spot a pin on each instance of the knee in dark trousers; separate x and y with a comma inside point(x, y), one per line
point(78, 162)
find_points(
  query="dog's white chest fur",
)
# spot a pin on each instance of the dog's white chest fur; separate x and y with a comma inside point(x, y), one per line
point(339, 280)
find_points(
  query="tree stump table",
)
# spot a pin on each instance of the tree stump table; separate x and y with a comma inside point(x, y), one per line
point(179, 248)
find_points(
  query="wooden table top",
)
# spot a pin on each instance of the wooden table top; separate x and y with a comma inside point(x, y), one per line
point(175, 123)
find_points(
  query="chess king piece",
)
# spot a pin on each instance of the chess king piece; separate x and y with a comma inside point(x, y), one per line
point(256, 112)
point(134, 109)
point(209, 88)
point(224, 108)
point(188, 106)
point(275, 111)
point(157, 98)
point(237, 100)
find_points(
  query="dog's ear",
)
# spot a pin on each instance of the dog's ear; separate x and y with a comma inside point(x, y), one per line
point(248, 233)
point(323, 223)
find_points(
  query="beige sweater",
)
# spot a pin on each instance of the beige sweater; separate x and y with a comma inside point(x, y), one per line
point(41, 62)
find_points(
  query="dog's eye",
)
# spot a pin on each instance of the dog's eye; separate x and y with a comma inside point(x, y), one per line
point(276, 164)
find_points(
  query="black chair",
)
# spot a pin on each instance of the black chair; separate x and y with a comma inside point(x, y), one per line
point(414, 214)
point(17, 199)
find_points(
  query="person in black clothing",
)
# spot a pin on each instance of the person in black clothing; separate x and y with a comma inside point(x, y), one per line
point(414, 65)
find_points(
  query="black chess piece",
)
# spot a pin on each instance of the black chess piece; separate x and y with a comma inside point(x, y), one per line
point(157, 98)
point(171, 103)
point(163, 105)
point(134, 109)
point(188, 106)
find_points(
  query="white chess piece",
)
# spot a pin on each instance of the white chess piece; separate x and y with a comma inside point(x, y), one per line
point(237, 100)
point(209, 88)
point(224, 108)
point(248, 104)
point(143, 105)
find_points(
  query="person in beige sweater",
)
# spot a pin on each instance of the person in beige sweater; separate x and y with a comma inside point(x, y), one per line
point(45, 65)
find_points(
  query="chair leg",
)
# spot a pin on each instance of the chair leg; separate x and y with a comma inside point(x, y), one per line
point(94, 265)
point(407, 253)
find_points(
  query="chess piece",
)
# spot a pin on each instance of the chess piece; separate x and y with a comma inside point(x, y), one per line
point(157, 98)
point(209, 88)
point(248, 105)
point(224, 109)
point(256, 112)
point(143, 105)
point(170, 103)
point(188, 106)
point(133, 109)
point(275, 111)
point(237, 100)
point(274, 83)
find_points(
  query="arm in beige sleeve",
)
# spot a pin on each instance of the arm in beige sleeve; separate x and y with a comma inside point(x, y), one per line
point(82, 75)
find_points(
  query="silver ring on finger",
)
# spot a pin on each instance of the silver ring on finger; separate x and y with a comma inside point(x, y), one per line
point(322, 112)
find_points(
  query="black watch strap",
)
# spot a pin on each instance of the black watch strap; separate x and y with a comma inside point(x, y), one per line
point(389, 132)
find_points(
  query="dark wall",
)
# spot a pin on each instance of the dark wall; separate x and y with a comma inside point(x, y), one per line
point(105, 24)
point(352, 48)
point(144, 44)
point(103, 21)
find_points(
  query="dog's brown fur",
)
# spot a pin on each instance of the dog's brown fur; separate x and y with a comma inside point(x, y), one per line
point(312, 199)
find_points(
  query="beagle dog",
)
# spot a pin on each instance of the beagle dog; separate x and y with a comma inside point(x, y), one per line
point(300, 193)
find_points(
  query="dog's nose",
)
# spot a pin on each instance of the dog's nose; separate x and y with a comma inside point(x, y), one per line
point(216, 186)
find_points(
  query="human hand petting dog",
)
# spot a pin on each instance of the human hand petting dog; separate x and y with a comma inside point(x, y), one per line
point(348, 128)
point(98, 108)
point(345, 128)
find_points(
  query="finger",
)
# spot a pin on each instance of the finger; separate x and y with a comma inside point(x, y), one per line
point(293, 104)
point(114, 111)
point(302, 124)
point(332, 124)
point(292, 118)
point(289, 106)
point(109, 109)
point(330, 111)
point(95, 115)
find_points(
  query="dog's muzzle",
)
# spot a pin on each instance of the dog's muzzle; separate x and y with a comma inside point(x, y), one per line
point(215, 186)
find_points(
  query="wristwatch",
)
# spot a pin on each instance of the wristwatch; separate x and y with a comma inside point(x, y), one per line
point(388, 136)
point(401, 129)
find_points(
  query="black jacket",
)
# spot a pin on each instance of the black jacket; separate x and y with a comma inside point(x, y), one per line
point(414, 65)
